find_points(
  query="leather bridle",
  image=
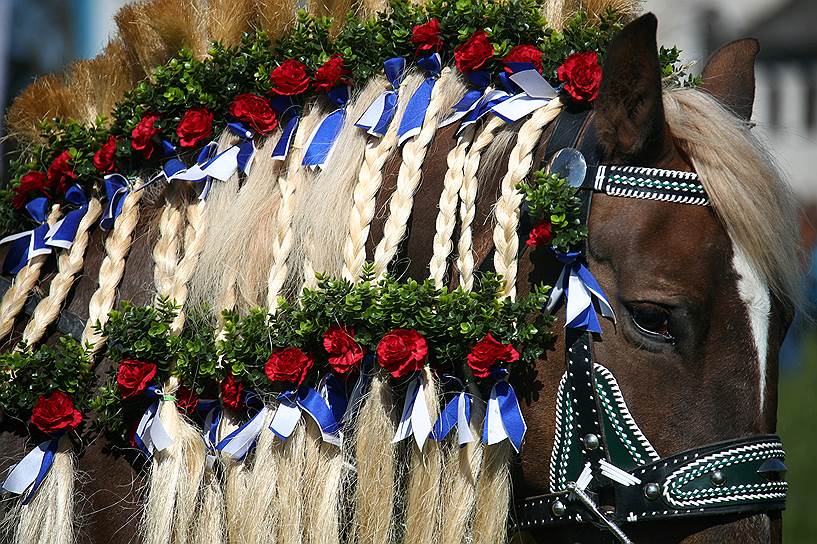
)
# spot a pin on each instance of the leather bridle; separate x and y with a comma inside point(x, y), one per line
point(603, 469)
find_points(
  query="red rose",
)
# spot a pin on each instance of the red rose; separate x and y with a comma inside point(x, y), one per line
point(524, 53)
point(330, 74)
point(344, 353)
point(141, 137)
point(427, 37)
point(55, 413)
point(487, 353)
point(32, 182)
point(288, 365)
point(474, 53)
point(133, 377)
point(231, 392)
point(581, 75)
point(106, 155)
point(539, 235)
point(195, 126)
point(290, 78)
point(186, 400)
point(402, 351)
point(60, 174)
point(255, 111)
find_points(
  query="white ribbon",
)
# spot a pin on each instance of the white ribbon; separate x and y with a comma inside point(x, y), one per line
point(24, 474)
point(285, 419)
point(464, 434)
point(537, 92)
point(415, 419)
point(151, 432)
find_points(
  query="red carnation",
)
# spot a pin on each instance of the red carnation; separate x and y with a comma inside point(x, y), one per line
point(290, 78)
point(473, 54)
point(186, 400)
point(344, 353)
point(60, 174)
point(195, 126)
point(32, 182)
point(332, 73)
point(288, 365)
point(255, 111)
point(231, 392)
point(489, 352)
point(104, 158)
point(402, 351)
point(524, 53)
point(55, 413)
point(539, 235)
point(581, 75)
point(133, 377)
point(427, 37)
point(142, 135)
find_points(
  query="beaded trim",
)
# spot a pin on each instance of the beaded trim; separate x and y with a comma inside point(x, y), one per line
point(652, 184)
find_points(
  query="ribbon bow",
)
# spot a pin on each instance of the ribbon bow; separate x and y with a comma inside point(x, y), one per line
point(116, 189)
point(238, 443)
point(503, 417)
point(535, 93)
point(580, 288)
point(457, 413)
point(415, 419)
point(377, 117)
point(479, 81)
point(27, 475)
point(63, 232)
point(415, 113)
point(151, 435)
point(326, 407)
point(27, 245)
point(322, 139)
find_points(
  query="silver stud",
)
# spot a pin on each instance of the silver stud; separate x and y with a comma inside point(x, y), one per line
point(591, 442)
point(558, 508)
point(652, 491)
point(718, 478)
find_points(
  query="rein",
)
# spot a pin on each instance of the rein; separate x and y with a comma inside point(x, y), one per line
point(603, 470)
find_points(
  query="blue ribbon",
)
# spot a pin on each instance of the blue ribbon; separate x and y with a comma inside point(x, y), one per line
point(479, 81)
point(238, 443)
point(173, 165)
point(323, 138)
point(27, 245)
point(326, 407)
point(150, 435)
point(455, 414)
point(379, 115)
point(415, 113)
point(281, 150)
point(27, 476)
point(116, 189)
point(577, 279)
point(503, 418)
point(246, 148)
point(63, 232)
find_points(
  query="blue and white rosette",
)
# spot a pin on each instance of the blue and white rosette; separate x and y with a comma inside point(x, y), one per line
point(237, 444)
point(535, 93)
point(322, 140)
point(379, 115)
point(455, 414)
point(326, 405)
point(503, 416)
point(580, 289)
point(25, 477)
point(151, 435)
point(290, 115)
point(28, 244)
point(117, 188)
point(416, 108)
point(479, 81)
point(415, 420)
point(62, 233)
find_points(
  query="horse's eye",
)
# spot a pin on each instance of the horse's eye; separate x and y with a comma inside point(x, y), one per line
point(652, 320)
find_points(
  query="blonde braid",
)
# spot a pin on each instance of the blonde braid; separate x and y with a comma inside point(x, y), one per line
point(117, 246)
point(16, 295)
point(468, 199)
point(69, 265)
point(506, 240)
point(166, 251)
point(408, 179)
point(195, 235)
point(447, 216)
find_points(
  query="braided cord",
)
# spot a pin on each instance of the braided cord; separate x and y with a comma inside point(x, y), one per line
point(506, 240)
point(194, 237)
point(166, 251)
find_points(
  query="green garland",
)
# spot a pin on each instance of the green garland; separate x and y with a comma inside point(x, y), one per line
point(553, 202)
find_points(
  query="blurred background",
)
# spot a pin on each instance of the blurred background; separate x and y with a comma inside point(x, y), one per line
point(42, 36)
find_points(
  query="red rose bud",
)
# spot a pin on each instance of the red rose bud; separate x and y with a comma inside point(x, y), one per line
point(133, 377)
point(30, 183)
point(288, 365)
point(539, 235)
point(487, 353)
point(524, 53)
point(344, 353)
point(581, 75)
point(231, 392)
point(473, 54)
point(104, 158)
point(330, 74)
point(186, 400)
point(290, 78)
point(402, 351)
point(196, 125)
point(142, 135)
point(427, 37)
point(60, 174)
point(255, 111)
point(55, 413)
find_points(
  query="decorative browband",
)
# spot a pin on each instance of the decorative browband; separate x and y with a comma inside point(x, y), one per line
point(651, 183)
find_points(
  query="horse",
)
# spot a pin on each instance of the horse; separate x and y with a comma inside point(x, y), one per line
point(703, 294)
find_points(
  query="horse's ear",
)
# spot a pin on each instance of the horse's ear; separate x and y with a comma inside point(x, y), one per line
point(629, 110)
point(729, 76)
